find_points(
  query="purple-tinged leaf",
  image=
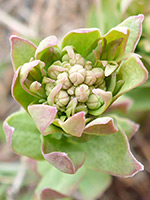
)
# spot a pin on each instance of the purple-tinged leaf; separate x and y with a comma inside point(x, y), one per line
point(74, 125)
point(18, 93)
point(21, 51)
point(116, 38)
point(134, 23)
point(25, 72)
point(111, 154)
point(128, 126)
point(43, 116)
point(64, 156)
point(101, 126)
point(83, 40)
point(47, 51)
point(133, 73)
point(22, 135)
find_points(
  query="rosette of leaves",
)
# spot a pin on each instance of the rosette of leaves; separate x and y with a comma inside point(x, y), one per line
point(65, 91)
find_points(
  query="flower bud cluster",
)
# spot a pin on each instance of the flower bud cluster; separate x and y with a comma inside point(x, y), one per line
point(69, 84)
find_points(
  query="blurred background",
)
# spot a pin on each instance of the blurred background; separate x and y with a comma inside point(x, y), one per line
point(36, 19)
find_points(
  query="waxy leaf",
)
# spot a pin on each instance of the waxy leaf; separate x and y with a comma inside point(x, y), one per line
point(19, 94)
point(133, 73)
point(43, 116)
point(55, 184)
point(112, 37)
point(129, 127)
point(101, 126)
point(134, 23)
point(83, 40)
point(22, 135)
point(111, 154)
point(63, 155)
point(21, 51)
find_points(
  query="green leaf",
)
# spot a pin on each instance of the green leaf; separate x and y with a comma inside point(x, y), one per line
point(133, 73)
point(20, 95)
point(116, 42)
point(22, 135)
point(21, 51)
point(56, 184)
point(47, 51)
point(129, 127)
point(111, 154)
point(68, 157)
point(134, 23)
point(94, 184)
point(83, 40)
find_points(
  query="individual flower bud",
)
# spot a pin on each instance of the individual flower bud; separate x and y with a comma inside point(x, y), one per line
point(80, 60)
point(62, 98)
point(88, 65)
point(37, 88)
point(71, 90)
point(77, 74)
point(65, 58)
point(81, 107)
point(63, 78)
point(82, 92)
point(54, 70)
point(90, 78)
point(66, 65)
point(48, 88)
point(102, 85)
point(98, 82)
point(93, 102)
point(99, 73)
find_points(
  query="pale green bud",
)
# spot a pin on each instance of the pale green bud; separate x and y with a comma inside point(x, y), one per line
point(48, 88)
point(90, 78)
point(62, 98)
point(81, 107)
point(79, 59)
point(65, 58)
point(54, 70)
point(93, 101)
point(71, 90)
point(63, 78)
point(82, 92)
point(77, 74)
point(88, 65)
point(99, 73)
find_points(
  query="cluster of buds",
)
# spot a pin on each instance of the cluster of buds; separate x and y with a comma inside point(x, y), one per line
point(69, 85)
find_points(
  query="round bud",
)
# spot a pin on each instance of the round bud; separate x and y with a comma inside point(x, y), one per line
point(82, 92)
point(88, 65)
point(90, 78)
point(93, 101)
point(62, 98)
point(77, 74)
point(65, 58)
point(71, 90)
point(79, 59)
point(63, 78)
